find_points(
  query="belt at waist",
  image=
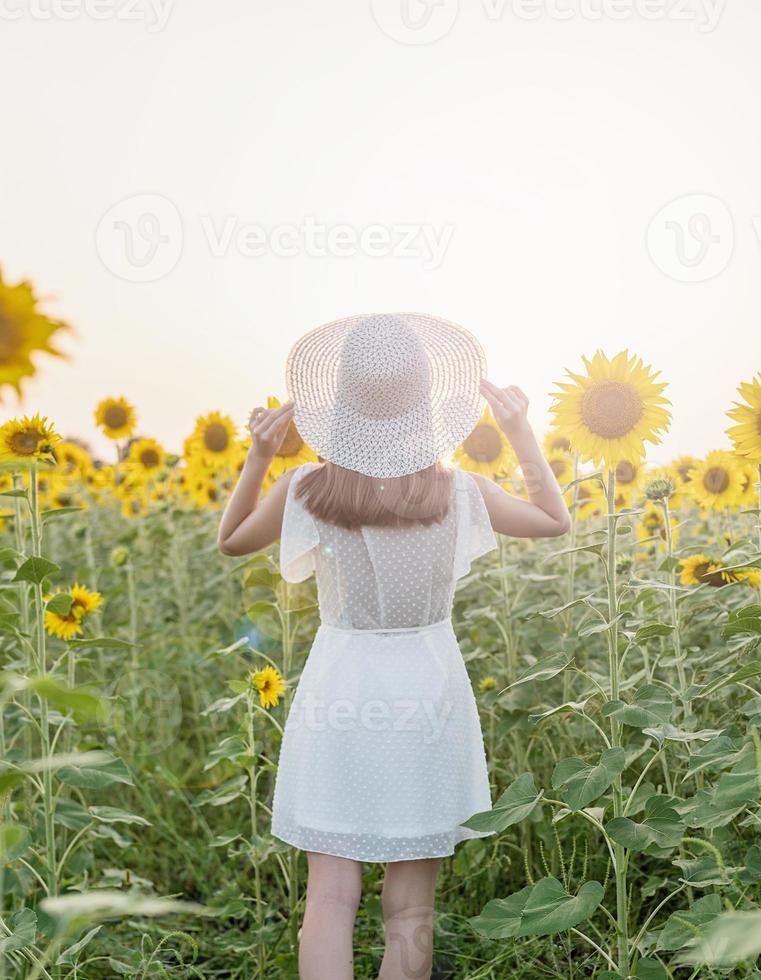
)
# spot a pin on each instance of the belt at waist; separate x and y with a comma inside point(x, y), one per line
point(387, 629)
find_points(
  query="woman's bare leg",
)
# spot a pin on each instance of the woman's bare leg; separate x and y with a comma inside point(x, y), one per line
point(334, 888)
point(408, 899)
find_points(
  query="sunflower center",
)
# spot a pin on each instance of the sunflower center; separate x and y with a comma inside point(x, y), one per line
point(560, 444)
point(483, 444)
point(625, 472)
point(115, 416)
point(611, 409)
point(26, 441)
point(150, 458)
point(557, 466)
point(292, 442)
point(716, 479)
point(216, 438)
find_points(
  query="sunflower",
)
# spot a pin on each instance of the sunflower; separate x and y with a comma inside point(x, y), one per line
point(24, 330)
point(486, 450)
point(699, 570)
point(653, 524)
point(83, 602)
point(681, 469)
point(27, 439)
point(73, 460)
point(293, 452)
point(749, 488)
point(269, 684)
point(487, 684)
point(145, 458)
point(555, 443)
point(716, 483)
point(746, 434)
point(590, 500)
point(213, 440)
point(609, 413)
point(562, 466)
point(116, 417)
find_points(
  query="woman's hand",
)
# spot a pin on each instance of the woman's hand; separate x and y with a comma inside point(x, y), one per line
point(510, 407)
point(268, 427)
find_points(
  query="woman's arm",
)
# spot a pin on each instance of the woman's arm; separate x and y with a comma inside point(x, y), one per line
point(544, 514)
point(248, 525)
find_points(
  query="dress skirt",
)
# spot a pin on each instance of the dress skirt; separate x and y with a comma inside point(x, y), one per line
point(382, 756)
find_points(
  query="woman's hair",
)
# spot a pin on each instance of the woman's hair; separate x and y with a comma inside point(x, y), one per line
point(349, 499)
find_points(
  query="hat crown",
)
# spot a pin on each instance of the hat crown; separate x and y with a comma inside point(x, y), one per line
point(384, 371)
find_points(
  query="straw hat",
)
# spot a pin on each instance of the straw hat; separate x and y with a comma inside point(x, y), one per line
point(386, 394)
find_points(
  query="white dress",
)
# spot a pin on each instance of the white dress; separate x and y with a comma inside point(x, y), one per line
point(382, 756)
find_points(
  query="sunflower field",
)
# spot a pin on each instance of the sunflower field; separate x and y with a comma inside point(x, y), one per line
point(145, 680)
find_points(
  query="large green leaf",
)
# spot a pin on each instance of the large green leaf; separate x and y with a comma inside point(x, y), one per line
point(514, 805)
point(23, 931)
point(581, 783)
point(660, 832)
point(652, 706)
point(544, 669)
point(719, 753)
point(85, 705)
point(538, 910)
point(683, 926)
point(35, 570)
point(501, 918)
point(551, 909)
point(729, 939)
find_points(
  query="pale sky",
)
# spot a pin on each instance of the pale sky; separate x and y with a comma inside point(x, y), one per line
point(266, 166)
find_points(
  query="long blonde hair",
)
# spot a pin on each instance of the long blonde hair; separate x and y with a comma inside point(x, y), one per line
point(350, 500)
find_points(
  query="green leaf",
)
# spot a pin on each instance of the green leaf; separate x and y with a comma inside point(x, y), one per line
point(683, 926)
point(751, 873)
point(660, 831)
point(112, 814)
point(543, 669)
point(501, 918)
point(14, 493)
point(652, 630)
point(13, 841)
point(85, 705)
point(718, 754)
point(668, 733)
point(582, 783)
point(652, 706)
point(749, 670)
point(52, 515)
point(105, 642)
point(104, 903)
point(35, 570)
point(551, 909)
point(60, 604)
point(70, 953)
point(514, 805)
point(538, 910)
point(23, 932)
point(730, 938)
point(113, 771)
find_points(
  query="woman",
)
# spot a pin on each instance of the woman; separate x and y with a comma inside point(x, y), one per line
point(382, 757)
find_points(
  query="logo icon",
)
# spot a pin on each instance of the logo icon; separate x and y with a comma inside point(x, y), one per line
point(692, 238)
point(140, 238)
point(415, 21)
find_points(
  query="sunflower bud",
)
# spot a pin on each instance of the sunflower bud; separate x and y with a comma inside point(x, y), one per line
point(488, 684)
point(660, 489)
point(119, 556)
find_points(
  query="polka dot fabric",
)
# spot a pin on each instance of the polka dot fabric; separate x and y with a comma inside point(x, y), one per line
point(382, 756)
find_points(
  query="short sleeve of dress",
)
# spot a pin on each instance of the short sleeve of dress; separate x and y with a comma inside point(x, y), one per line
point(475, 535)
point(299, 536)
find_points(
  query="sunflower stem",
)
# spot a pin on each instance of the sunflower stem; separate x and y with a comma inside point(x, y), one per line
point(672, 598)
point(252, 802)
point(570, 592)
point(622, 912)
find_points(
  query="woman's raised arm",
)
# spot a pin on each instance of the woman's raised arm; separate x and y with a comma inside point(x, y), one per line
point(544, 514)
point(248, 525)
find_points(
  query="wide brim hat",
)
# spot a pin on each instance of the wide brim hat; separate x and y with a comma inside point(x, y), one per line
point(386, 394)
